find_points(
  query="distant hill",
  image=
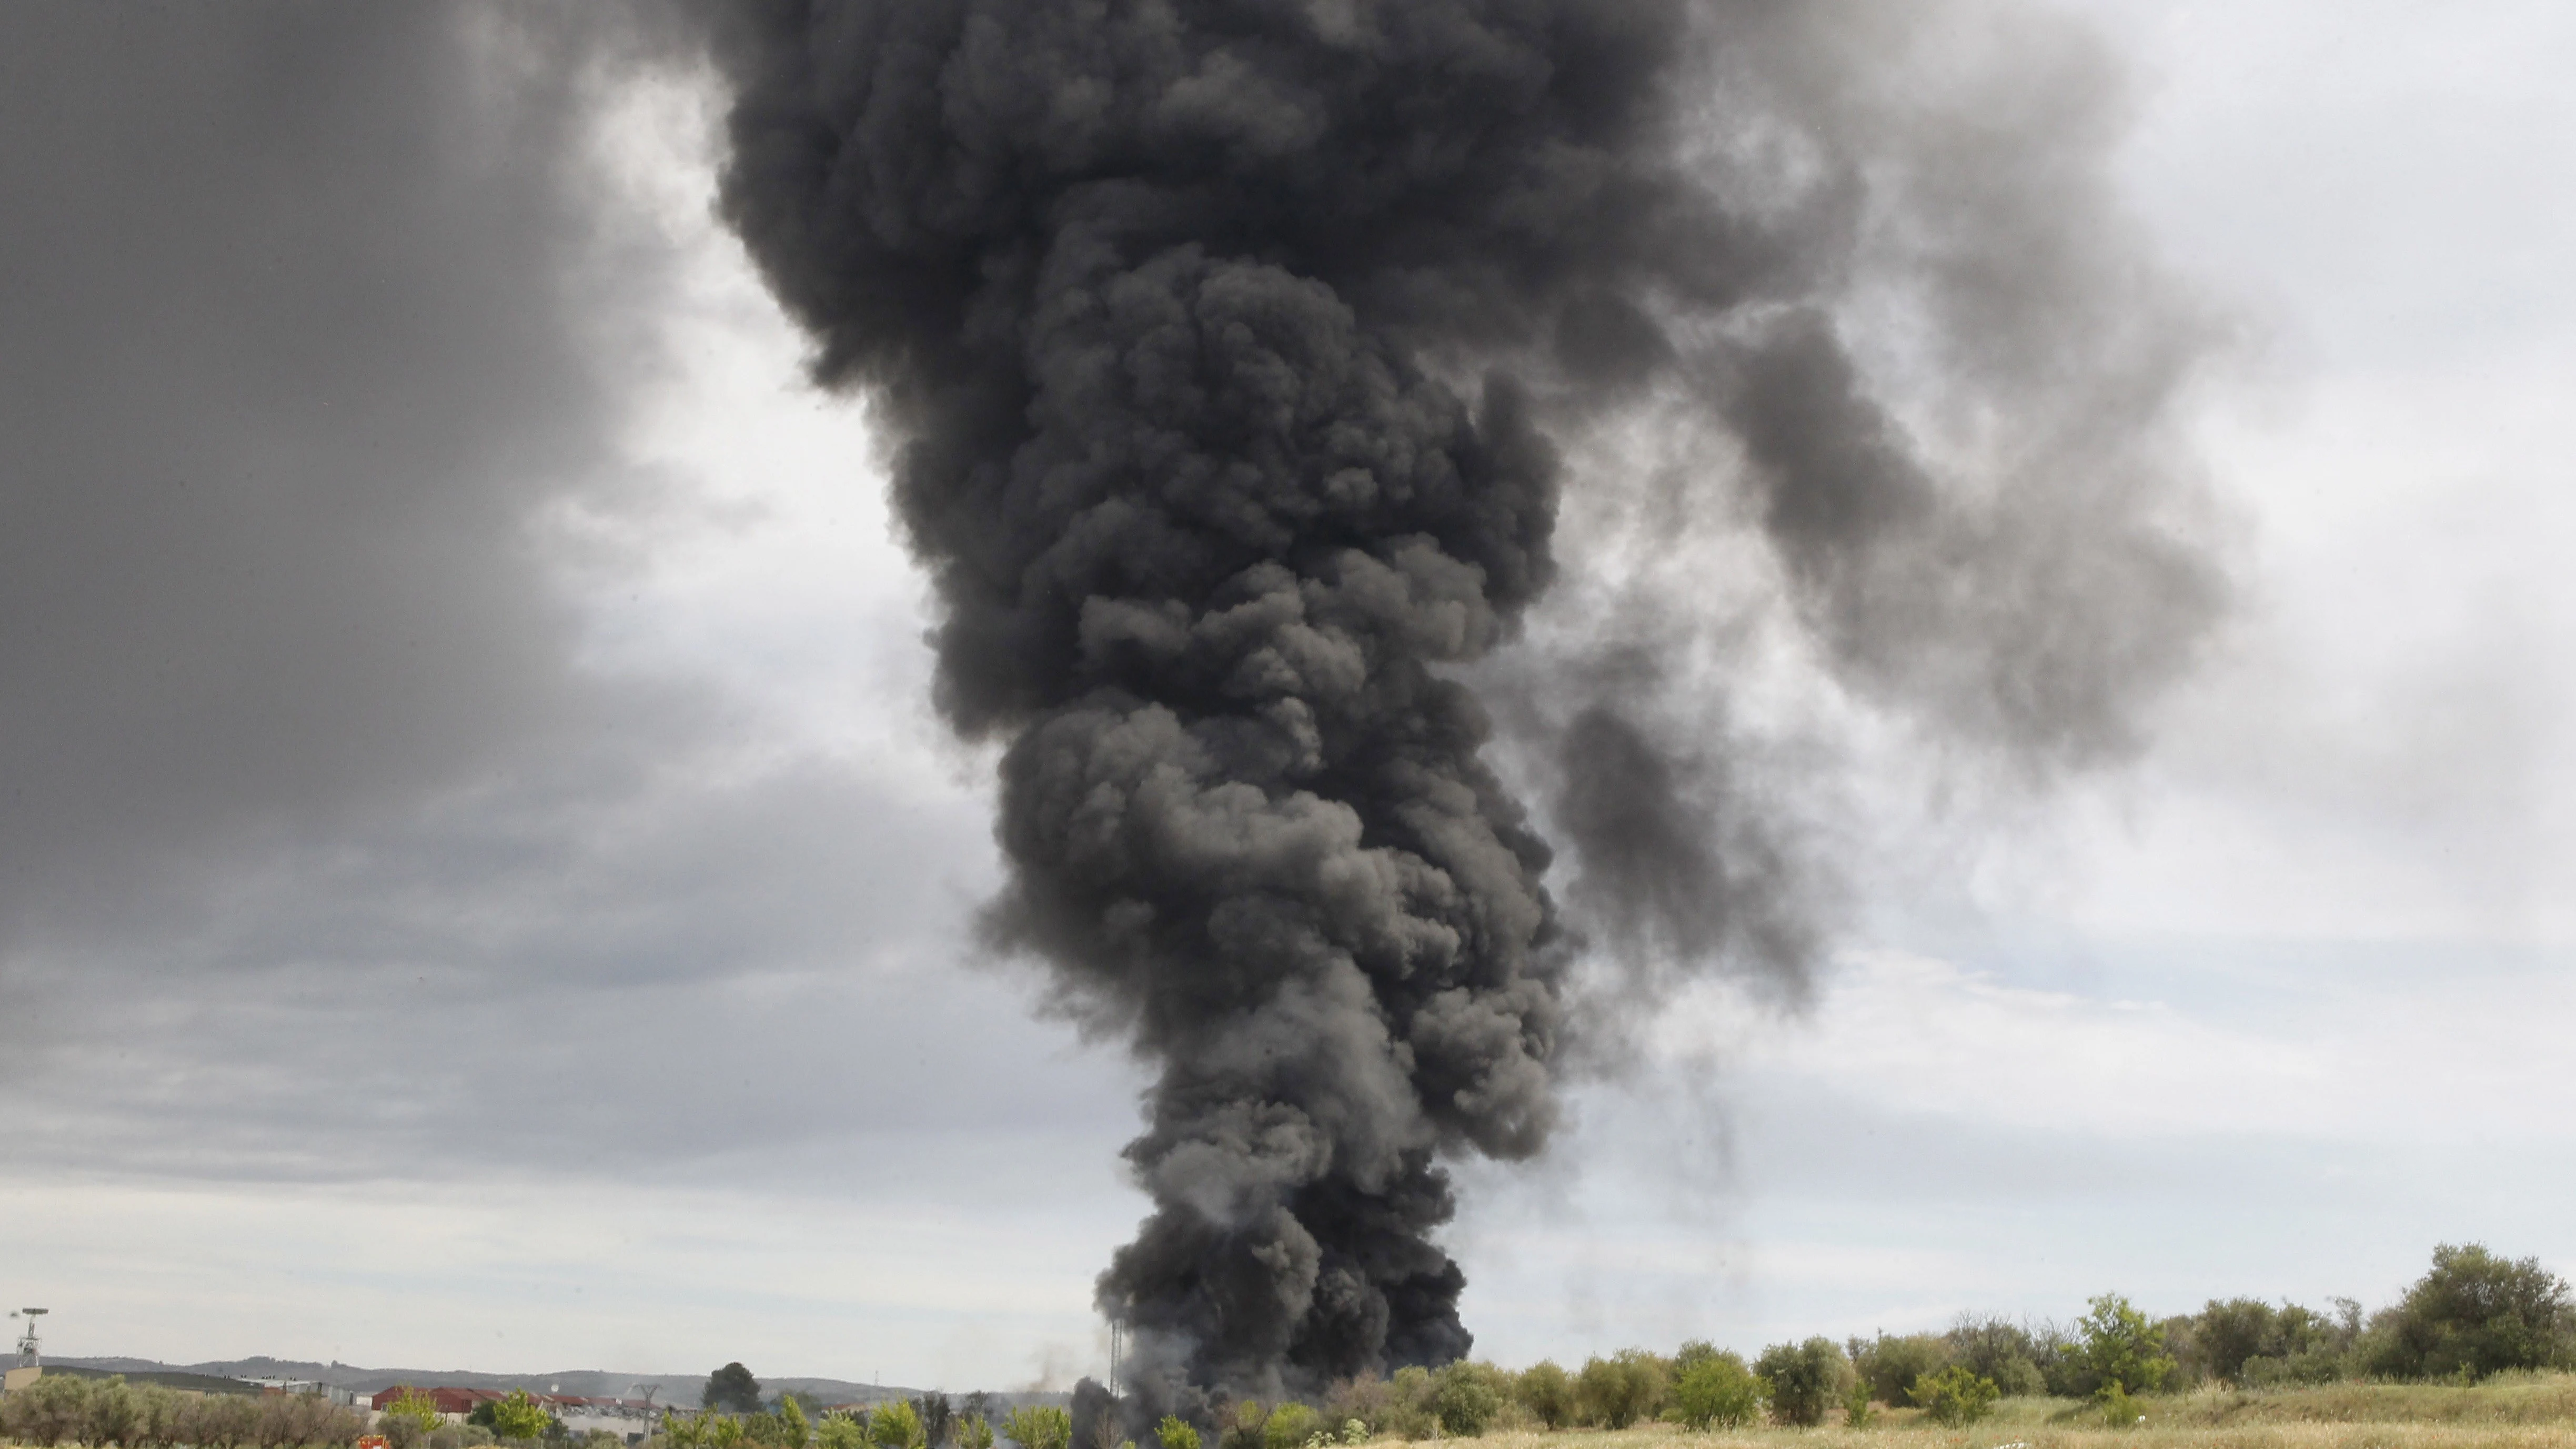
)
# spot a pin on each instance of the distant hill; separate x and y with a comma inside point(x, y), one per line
point(166, 1378)
point(680, 1390)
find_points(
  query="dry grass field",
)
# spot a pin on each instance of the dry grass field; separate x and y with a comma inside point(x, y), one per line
point(2509, 1412)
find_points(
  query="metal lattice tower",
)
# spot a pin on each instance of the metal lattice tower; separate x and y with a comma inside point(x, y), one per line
point(30, 1354)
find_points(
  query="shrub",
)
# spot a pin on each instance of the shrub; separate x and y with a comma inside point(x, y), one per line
point(1365, 1398)
point(1176, 1433)
point(1617, 1391)
point(2473, 1315)
point(1858, 1411)
point(1998, 1349)
point(519, 1416)
point(839, 1429)
point(1956, 1396)
point(1466, 1397)
point(895, 1425)
point(412, 1417)
point(1805, 1380)
point(1718, 1392)
point(1888, 1366)
point(2225, 1335)
point(1242, 1426)
point(2119, 1411)
point(1409, 1409)
point(1547, 1393)
point(2116, 1347)
point(1038, 1426)
point(1289, 1426)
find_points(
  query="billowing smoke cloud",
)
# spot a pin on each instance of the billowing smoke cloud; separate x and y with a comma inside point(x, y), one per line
point(1233, 350)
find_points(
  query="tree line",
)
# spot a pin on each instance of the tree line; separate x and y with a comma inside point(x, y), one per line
point(2473, 1314)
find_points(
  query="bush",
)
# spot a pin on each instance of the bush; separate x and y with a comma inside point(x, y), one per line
point(410, 1419)
point(1617, 1391)
point(1888, 1366)
point(1467, 1397)
point(1365, 1398)
point(1409, 1410)
point(1547, 1392)
point(2001, 1350)
point(2225, 1335)
point(1955, 1397)
point(1858, 1411)
point(518, 1416)
point(895, 1425)
point(1805, 1380)
point(2117, 1348)
point(1289, 1426)
point(1242, 1426)
point(1176, 1433)
point(1039, 1427)
point(2473, 1315)
point(1718, 1392)
point(2119, 1411)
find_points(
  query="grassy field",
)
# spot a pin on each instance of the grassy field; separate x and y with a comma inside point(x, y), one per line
point(2511, 1412)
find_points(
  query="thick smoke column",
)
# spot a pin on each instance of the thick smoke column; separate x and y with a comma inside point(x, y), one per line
point(1219, 339)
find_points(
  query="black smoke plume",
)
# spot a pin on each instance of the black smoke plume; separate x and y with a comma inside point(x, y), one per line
point(1229, 347)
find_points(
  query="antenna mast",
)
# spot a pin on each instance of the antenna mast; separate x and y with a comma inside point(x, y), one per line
point(29, 1355)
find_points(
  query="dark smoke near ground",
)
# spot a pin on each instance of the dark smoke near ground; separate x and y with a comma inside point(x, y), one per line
point(1233, 353)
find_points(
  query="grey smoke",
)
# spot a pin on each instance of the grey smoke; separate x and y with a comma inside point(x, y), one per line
point(1232, 350)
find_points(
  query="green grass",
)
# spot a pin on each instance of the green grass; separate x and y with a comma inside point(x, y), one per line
point(2515, 1411)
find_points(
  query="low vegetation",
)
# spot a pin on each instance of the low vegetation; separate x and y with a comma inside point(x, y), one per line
point(2474, 1356)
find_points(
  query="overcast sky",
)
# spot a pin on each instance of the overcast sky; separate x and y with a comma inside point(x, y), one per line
point(483, 886)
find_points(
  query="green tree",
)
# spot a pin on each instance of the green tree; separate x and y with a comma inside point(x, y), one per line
point(2225, 1334)
point(520, 1416)
point(1468, 1398)
point(974, 1431)
point(411, 1417)
point(1998, 1349)
point(1888, 1366)
point(1718, 1392)
point(2473, 1315)
point(2117, 1348)
point(1805, 1379)
point(1176, 1433)
point(732, 1390)
point(53, 1408)
point(1618, 1391)
point(1547, 1392)
point(840, 1429)
point(1955, 1397)
point(894, 1425)
point(1039, 1426)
